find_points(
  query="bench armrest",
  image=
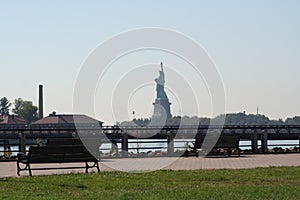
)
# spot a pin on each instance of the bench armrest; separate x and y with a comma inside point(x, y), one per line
point(22, 157)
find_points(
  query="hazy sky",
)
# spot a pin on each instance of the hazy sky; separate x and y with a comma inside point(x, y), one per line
point(254, 43)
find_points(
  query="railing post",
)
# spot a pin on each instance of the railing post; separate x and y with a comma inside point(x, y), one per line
point(124, 145)
point(22, 142)
point(254, 142)
point(264, 141)
point(114, 146)
point(299, 140)
point(170, 143)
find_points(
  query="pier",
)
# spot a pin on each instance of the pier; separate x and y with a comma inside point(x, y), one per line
point(258, 136)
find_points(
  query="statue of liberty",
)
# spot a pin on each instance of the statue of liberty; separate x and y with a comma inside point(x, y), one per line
point(161, 104)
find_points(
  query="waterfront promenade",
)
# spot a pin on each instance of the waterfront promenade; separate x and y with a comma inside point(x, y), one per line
point(8, 169)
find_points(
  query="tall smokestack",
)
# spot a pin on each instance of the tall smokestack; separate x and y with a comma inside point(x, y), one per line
point(41, 109)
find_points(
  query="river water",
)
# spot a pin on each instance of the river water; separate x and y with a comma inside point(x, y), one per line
point(161, 145)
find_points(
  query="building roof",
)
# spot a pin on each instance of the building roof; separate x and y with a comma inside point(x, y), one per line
point(12, 119)
point(66, 119)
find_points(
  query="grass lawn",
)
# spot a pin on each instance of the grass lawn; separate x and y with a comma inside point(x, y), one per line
point(261, 183)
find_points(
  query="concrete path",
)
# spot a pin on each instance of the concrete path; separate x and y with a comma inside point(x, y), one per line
point(8, 169)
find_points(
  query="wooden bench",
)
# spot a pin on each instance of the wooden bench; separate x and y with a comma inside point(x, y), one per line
point(57, 151)
point(224, 142)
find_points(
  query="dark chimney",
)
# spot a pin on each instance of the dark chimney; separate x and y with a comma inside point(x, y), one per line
point(41, 111)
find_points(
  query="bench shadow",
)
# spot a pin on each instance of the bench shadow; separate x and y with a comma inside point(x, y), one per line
point(221, 156)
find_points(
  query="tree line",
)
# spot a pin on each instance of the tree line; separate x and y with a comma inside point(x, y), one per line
point(22, 108)
point(240, 118)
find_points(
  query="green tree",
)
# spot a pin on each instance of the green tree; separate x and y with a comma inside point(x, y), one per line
point(18, 103)
point(141, 121)
point(293, 121)
point(26, 110)
point(4, 106)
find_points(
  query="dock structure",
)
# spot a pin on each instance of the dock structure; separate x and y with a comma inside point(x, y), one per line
point(259, 135)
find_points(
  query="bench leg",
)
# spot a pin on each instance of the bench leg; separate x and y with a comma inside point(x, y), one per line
point(229, 152)
point(86, 167)
point(27, 167)
point(18, 168)
point(97, 166)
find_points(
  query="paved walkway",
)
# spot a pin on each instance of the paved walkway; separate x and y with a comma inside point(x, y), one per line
point(148, 164)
